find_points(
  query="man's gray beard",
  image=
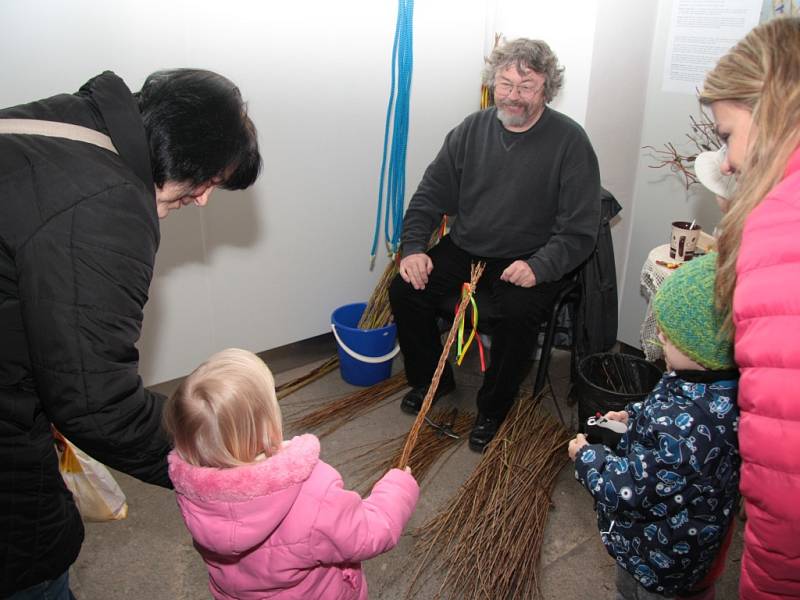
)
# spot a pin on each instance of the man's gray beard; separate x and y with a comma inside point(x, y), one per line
point(512, 120)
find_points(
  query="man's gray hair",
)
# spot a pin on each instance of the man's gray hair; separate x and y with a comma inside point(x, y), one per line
point(526, 54)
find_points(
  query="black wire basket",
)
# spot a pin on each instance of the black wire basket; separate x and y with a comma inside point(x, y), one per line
point(609, 381)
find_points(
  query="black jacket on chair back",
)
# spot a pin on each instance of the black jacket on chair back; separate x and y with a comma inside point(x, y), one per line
point(78, 238)
point(597, 319)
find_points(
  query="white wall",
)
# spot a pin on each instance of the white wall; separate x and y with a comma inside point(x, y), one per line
point(275, 261)
point(614, 121)
point(265, 267)
point(569, 32)
point(659, 196)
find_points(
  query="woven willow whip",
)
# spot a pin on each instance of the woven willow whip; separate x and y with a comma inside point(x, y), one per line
point(411, 440)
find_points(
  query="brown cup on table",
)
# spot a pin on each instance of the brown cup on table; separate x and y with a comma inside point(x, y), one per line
point(683, 241)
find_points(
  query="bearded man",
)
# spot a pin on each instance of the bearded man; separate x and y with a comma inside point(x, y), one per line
point(523, 184)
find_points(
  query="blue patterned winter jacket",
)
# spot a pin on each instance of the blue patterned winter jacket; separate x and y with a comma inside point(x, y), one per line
point(666, 495)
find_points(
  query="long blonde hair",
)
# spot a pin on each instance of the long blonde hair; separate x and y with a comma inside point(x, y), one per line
point(225, 413)
point(762, 74)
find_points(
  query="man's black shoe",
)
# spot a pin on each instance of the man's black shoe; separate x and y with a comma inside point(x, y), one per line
point(412, 401)
point(483, 432)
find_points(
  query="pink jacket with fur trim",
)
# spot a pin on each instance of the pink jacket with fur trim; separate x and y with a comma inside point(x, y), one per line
point(285, 527)
point(766, 312)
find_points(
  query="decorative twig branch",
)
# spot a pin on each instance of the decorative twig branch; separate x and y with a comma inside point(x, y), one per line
point(477, 271)
point(703, 137)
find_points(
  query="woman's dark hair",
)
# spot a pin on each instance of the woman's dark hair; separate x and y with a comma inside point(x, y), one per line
point(198, 129)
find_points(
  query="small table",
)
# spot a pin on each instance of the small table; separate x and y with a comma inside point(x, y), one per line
point(653, 275)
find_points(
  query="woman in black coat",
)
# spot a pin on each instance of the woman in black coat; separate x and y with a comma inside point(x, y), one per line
point(79, 232)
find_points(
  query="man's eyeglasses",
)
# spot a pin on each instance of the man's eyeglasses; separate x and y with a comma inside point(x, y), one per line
point(504, 88)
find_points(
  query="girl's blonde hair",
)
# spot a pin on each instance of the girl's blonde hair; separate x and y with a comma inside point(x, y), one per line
point(225, 413)
point(762, 74)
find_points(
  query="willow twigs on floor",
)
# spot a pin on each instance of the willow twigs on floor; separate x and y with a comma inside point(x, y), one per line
point(487, 543)
point(338, 412)
point(289, 387)
point(475, 275)
point(370, 461)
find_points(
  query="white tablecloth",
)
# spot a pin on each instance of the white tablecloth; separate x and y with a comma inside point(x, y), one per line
point(653, 275)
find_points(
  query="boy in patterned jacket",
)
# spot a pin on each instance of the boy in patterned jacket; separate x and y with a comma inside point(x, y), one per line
point(666, 495)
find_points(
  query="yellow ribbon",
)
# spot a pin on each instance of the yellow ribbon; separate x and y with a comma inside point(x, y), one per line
point(462, 347)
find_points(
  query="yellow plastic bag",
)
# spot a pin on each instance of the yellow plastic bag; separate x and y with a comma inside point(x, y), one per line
point(96, 493)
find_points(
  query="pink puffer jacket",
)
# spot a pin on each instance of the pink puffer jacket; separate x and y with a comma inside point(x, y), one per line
point(766, 307)
point(285, 528)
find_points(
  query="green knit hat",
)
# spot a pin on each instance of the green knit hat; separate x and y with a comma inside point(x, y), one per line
point(685, 313)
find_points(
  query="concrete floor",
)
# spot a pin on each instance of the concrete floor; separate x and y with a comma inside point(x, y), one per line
point(150, 555)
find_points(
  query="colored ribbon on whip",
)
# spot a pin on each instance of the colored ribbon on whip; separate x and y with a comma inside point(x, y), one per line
point(461, 348)
point(443, 227)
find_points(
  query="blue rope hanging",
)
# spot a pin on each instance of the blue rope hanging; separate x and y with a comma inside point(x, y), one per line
point(396, 129)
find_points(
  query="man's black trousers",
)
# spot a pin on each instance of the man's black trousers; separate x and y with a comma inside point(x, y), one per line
point(515, 320)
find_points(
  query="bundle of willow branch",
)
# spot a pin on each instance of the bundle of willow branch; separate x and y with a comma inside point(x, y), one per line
point(335, 414)
point(378, 312)
point(487, 543)
point(375, 458)
point(289, 387)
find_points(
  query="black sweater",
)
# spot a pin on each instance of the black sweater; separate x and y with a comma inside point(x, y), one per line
point(534, 194)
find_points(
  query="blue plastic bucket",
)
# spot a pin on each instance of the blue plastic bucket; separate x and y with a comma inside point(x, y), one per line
point(365, 355)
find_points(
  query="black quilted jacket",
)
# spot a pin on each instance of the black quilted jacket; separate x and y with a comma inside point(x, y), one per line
point(78, 238)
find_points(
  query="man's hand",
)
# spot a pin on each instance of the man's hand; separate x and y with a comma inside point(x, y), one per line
point(575, 444)
point(414, 269)
point(519, 273)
